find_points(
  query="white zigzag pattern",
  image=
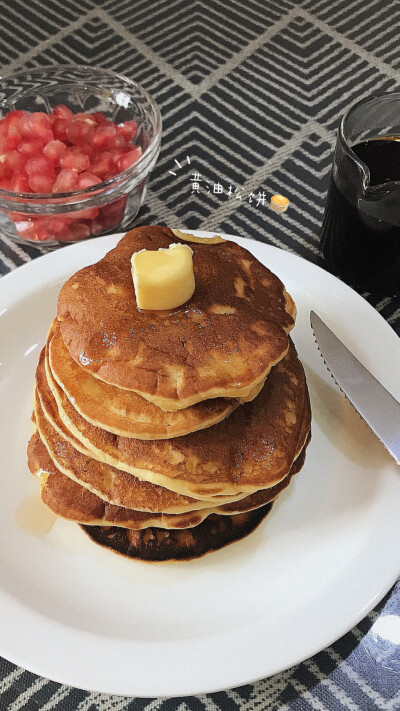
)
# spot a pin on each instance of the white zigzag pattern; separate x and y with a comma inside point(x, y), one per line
point(25, 695)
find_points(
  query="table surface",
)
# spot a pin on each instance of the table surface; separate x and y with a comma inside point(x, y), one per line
point(251, 94)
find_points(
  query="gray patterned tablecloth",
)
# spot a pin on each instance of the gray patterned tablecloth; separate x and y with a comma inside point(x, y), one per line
point(251, 92)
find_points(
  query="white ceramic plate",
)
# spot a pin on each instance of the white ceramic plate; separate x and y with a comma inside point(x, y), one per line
point(323, 558)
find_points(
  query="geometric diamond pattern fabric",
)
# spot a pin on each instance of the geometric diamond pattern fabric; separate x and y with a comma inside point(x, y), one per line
point(251, 93)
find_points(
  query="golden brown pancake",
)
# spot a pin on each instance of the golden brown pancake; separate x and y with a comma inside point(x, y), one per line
point(66, 498)
point(110, 483)
point(252, 449)
point(123, 412)
point(157, 545)
point(221, 343)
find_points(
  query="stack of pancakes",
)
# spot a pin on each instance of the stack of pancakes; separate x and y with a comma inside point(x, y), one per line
point(168, 434)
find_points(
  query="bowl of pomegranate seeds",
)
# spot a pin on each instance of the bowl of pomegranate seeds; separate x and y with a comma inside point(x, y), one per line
point(77, 146)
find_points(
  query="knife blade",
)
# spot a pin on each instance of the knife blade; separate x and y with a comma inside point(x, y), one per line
point(379, 409)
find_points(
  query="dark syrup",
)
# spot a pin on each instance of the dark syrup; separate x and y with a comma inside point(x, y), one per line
point(365, 250)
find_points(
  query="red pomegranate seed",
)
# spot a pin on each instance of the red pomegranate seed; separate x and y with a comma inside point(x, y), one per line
point(4, 172)
point(60, 126)
point(31, 148)
point(80, 130)
point(112, 215)
point(26, 229)
point(66, 181)
point(41, 230)
point(40, 164)
point(116, 154)
point(101, 164)
point(127, 130)
point(19, 183)
point(13, 138)
point(54, 150)
point(63, 112)
point(100, 119)
point(86, 180)
point(13, 116)
point(76, 231)
point(104, 137)
point(14, 161)
point(40, 183)
point(97, 226)
point(75, 160)
point(36, 125)
point(128, 159)
point(86, 117)
point(57, 225)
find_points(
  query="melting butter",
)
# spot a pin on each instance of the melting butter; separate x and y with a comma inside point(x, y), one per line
point(163, 278)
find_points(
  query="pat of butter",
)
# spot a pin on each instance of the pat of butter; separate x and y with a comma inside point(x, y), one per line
point(163, 278)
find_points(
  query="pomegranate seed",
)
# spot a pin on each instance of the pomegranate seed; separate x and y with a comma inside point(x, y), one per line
point(4, 173)
point(76, 231)
point(14, 161)
point(75, 160)
point(127, 130)
point(87, 149)
point(119, 141)
point(86, 117)
point(104, 137)
point(97, 226)
point(57, 225)
point(86, 180)
point(66, 181)
point(80, 130)
point(60, 126)
point(54, 150)
point(40, 164)
point(13, 116)
point(31, 148)
point(126, 160)
point(40, 183)
point(63, 112)
point(26, 229)
point(111, 215)
point(36, 125)
point(19, 183)
point(13, 138)
point(41, 230)
point(101, 164)
point(100, 119)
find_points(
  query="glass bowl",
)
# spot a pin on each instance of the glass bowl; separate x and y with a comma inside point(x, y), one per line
point(49, 219)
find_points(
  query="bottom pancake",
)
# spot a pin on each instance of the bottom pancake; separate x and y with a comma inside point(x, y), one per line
point(157, 545)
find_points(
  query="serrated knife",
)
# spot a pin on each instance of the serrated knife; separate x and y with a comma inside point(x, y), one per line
point(379, 409)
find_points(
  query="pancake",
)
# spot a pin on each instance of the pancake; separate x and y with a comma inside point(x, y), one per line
point(67, 499)
point(221, 343)
point(123, 412)
point(157, 545)
point(252, 449)
point(107, 482)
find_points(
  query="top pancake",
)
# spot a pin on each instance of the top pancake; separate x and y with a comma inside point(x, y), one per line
point(221, 343)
